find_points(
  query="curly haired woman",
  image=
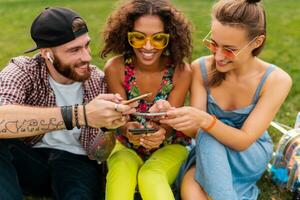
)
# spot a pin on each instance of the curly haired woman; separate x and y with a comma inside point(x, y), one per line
point(150, 39)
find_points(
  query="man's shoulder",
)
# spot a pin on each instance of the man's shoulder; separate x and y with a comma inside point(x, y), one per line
point(95, 85)
point(24, 64)
point(96, 72)
point(97, 76)
point(25, 61)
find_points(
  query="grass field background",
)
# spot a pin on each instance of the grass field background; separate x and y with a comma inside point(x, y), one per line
point(282, 47)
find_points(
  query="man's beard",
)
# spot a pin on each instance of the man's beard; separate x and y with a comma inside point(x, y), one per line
point(69, 72)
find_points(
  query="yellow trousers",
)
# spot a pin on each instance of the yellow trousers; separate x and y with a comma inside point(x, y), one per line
point(126, 170)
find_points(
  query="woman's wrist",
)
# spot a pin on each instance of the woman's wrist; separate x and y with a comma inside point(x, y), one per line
point(210, 122)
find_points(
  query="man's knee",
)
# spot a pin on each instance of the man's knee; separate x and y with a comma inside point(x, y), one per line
point(4, 149)
point(77, 193)
point(10, 188)
point(83, 188)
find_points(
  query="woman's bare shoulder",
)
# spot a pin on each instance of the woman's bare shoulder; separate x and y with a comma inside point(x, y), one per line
point(185, 70)
point(114, 64)
point(279, 76)
point(279, 80)
point(196, 63)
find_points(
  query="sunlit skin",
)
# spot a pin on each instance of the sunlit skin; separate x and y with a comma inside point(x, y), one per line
point(242, 77)
point(233, 38)
point(75, 55)
point(100, 111)
point(150, 65)
point(237, 90)
point(147, 57)
point(239, 86)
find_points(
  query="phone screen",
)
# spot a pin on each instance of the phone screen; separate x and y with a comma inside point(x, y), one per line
point(148, 114)
point(137, 131)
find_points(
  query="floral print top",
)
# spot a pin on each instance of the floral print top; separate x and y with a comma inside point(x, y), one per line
point(132, 91)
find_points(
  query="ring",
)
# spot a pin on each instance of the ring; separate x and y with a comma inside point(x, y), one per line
point(116, 107)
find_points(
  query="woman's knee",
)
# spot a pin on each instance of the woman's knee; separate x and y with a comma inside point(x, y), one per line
point(190, 189)
point(206, 143)
point(124, 160)
point(148, 176)
point(154, 185)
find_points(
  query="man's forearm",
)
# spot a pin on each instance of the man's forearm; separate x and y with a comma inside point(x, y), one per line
point(23, 121)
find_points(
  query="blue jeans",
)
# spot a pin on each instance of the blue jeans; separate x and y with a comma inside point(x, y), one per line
point(44, 172)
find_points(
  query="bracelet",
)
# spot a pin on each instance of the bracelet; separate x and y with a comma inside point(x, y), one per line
point(70, 117)
point(76, 116)
point(67, 115)
point(84, 115)
point(211, 124)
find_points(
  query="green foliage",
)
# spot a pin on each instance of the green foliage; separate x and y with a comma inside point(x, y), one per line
point(282, 47)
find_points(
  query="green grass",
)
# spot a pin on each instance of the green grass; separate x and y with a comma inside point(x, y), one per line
point(282, 46)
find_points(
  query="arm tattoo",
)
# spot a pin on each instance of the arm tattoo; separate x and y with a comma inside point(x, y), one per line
point(30, 126)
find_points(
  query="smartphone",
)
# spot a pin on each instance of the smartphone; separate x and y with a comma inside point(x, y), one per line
point(137, 131)
point(148, 114)
point(126, 102)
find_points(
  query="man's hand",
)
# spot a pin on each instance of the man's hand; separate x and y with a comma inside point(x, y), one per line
point(116, 98)
point(106, 111)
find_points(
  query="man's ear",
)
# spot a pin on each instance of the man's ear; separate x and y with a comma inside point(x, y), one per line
point(47, 55)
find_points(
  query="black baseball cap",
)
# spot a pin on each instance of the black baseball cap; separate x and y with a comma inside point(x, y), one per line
point(53, 27)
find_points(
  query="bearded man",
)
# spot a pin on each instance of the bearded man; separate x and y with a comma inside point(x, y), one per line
point(56, 102)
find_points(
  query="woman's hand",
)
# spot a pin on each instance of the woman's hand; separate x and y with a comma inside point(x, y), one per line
point(134, 139)
point(160, 106)
point(187, 119)
point(153, 140)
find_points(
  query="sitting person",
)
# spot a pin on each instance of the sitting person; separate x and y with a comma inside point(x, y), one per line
point(59, 98)
point(234, 97)
point(150, 39)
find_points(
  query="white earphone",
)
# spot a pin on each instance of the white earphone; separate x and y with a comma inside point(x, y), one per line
point(49, 57)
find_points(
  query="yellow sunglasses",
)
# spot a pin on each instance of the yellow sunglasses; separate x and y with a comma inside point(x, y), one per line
point(138, 40)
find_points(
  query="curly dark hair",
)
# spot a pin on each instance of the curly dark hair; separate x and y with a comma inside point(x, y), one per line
point(121, 21)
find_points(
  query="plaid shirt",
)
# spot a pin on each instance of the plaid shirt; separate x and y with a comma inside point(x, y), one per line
point(25, 81)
